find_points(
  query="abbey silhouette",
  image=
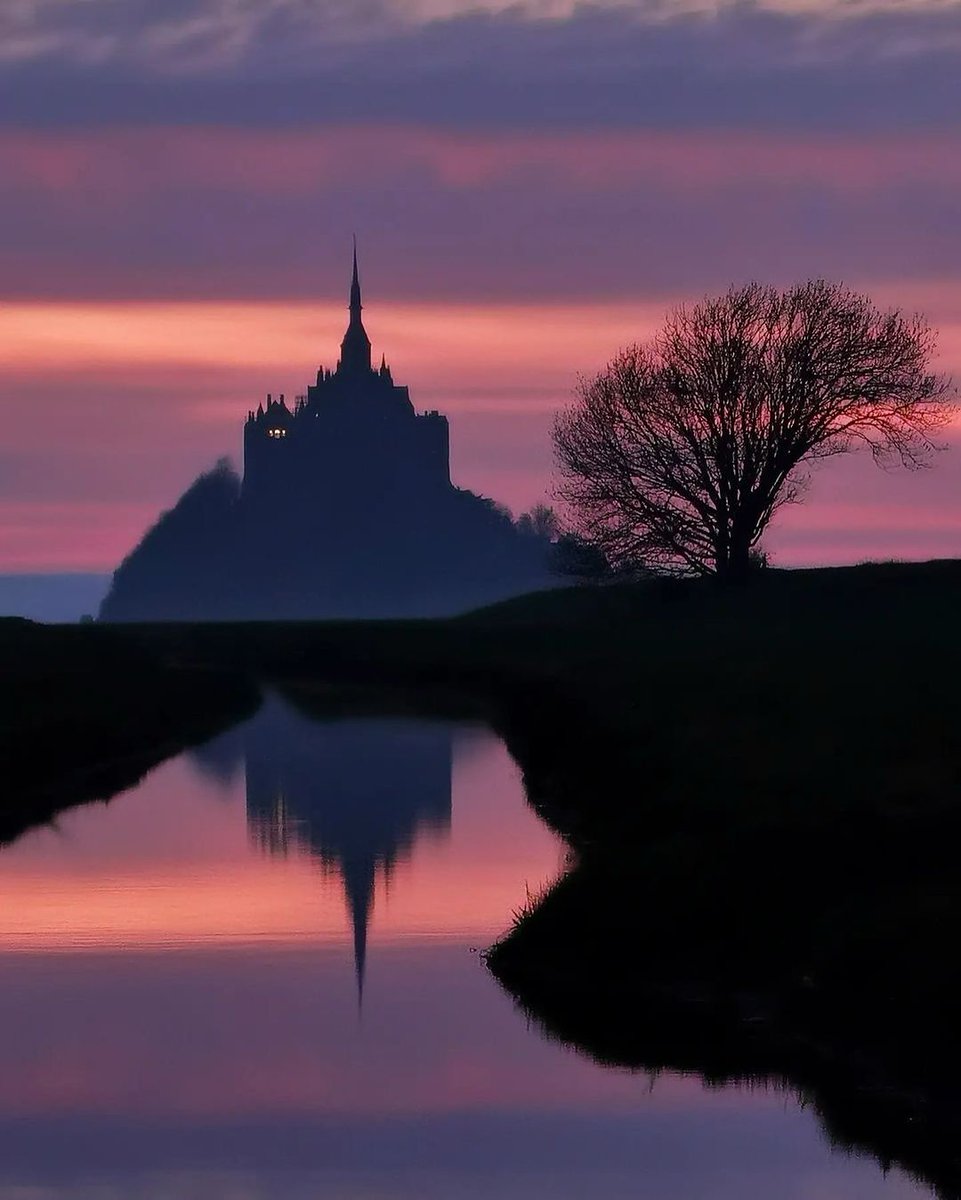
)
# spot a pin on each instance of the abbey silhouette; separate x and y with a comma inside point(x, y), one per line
point(346, 508)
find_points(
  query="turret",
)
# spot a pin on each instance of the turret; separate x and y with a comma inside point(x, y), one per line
point(265, 433)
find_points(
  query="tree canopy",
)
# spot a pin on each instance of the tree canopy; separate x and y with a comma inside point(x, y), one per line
point(677, 455)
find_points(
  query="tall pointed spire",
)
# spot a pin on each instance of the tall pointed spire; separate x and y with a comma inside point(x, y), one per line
point(355, 304)
point(355, 348)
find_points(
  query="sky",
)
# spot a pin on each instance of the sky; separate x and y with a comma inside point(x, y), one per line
point(533, 185)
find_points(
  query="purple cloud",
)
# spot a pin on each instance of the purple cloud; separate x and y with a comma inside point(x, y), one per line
point(291, 63)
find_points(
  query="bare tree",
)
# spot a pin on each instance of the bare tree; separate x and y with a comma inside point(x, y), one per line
point(677, 455)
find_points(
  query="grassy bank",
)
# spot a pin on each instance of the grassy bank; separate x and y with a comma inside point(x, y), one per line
point(85, 714)
point(767, 815)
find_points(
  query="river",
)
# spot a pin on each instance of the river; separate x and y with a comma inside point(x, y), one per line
point(258, 974)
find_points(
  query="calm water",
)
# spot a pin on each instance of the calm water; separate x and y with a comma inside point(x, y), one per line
point(255, 975)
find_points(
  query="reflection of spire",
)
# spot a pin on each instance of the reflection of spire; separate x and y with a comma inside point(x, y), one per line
point(359, 882)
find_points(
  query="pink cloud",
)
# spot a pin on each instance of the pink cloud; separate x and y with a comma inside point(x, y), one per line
point(119, 165)
point(210, 211)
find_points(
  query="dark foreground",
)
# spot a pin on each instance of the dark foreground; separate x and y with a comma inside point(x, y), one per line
point(761, 787)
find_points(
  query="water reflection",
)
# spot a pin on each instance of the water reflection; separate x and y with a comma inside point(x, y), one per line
point(178, 1009)
point(354, 796)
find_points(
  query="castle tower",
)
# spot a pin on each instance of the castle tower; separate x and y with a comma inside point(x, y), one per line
point(352, 427)
point(355, 348)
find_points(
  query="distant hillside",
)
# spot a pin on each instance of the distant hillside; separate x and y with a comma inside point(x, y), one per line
point(52, 598)
point(221, 554)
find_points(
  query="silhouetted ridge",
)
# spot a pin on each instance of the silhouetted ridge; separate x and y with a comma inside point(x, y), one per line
point(346, 509)
point(196, 538)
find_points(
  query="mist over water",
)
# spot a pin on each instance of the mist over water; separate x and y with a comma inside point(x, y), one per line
point(181, 1013)
point(52, 598)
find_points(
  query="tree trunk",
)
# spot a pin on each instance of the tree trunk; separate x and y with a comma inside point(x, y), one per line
point(736, 565)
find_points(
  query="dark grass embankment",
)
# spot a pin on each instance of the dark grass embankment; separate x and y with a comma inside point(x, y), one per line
point(85, 714)
point(767, 883)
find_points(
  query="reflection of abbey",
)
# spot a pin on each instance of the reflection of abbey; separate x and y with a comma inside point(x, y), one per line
point(354, 427)
point(346, 509)
point(354, 795)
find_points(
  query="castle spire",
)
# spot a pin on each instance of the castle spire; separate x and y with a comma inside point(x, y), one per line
point(355, 304)
point(355, 348)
